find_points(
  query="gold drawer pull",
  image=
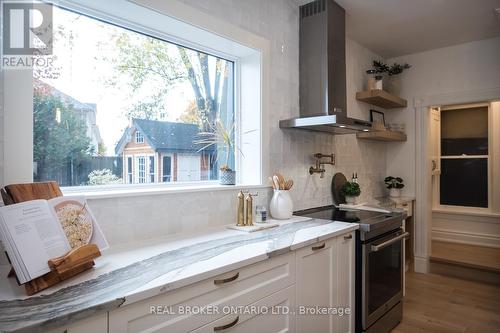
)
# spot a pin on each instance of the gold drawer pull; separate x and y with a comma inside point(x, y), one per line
point(226, 280)
point(223, 327)
point(348, 237)
point(318, 247)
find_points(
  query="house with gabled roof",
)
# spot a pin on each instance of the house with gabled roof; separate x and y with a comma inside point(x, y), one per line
point(160, 151)
point(86, 113)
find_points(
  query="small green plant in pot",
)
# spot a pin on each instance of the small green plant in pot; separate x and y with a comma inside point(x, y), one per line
point(351, 190)
point(392, 80)
point(223, 138)
point(394, 184)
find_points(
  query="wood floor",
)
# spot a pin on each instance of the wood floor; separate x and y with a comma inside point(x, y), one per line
point(468, 255)
point(435, 303)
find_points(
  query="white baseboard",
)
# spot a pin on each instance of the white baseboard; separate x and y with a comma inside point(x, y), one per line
point(421, 265)
point(453, 236)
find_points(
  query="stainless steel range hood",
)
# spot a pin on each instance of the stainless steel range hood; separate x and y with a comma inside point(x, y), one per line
point(322, 66)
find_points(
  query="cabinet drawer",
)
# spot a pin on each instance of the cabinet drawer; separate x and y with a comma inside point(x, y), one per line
point(235, 288)
point(275, 320)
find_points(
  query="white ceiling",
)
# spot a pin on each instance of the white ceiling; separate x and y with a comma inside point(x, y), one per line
point(393, 28)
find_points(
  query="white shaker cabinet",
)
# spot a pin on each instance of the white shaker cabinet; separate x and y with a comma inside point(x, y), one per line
point(292, 288)
point(315, 273)
point(237, 288)
point(346, 274)
point(325, 282)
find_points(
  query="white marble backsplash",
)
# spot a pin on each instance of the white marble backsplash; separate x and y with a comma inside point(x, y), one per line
point(136, 218)
point(291, 152)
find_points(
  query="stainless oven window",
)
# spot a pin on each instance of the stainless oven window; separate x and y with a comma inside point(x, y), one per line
point(384, 275)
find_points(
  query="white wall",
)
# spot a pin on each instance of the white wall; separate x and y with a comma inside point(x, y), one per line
point(469, 69)
point(461, 68)
point(290, 151)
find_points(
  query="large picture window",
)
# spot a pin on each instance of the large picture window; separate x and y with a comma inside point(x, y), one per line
point(119, 106)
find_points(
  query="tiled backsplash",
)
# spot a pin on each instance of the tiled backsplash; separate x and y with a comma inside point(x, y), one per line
point(135, 218)
point(290, 150)
point(127, 219)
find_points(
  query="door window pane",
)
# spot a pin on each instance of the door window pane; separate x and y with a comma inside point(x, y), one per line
point(129, 170)
point(464, 131)
point(464, 182)
point(167, 169)
point(151, 169)
point(141, 169)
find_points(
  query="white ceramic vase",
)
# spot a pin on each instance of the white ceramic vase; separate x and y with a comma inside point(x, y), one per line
point(394, 192)
point(281, 207)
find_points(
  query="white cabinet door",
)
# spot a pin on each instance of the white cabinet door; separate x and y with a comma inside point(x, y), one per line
point(276, 320)
point(316, 267)
point(96, 324)
point(346, 277)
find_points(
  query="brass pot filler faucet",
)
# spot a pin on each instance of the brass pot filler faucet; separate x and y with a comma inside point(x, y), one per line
point(317, 168)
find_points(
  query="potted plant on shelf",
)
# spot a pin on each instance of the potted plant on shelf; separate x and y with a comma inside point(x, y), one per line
point(223, 139)
point(394, 184)
point(393, 80)
point(351, 190)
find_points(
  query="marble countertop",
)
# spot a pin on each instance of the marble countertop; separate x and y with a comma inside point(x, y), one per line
point(391, 201)
point(128, 274)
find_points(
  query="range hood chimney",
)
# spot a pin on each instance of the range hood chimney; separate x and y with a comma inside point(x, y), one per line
point(322, 72)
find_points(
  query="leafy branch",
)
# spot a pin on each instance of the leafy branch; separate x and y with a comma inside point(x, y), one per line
point(395, 69)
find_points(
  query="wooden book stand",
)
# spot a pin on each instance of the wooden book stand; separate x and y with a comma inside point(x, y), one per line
point(64, 267)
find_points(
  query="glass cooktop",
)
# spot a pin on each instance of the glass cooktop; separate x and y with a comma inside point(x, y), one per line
point(339, 214)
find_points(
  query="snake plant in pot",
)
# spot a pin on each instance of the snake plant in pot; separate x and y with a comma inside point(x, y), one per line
point(351, 190)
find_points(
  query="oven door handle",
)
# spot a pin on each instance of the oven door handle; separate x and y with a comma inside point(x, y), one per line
point(380, 246)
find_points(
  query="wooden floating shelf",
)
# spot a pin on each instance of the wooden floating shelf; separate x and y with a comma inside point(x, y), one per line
point(381, 98)
point(386, 136)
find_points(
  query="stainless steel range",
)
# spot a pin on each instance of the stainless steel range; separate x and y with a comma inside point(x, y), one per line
point(379, 264)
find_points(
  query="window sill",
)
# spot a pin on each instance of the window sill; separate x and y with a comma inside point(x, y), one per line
point(461, 211)
point(106, 192)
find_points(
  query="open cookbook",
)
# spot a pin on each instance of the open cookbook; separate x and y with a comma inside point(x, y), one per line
point(35, 231)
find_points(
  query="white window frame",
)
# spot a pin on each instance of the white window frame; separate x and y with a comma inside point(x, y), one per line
point(147, 164)
point(129, 174)
point(139, 138)
point(154, 169)
point(437, 188)
point(160, 172)
point(187, 26)
point(138, 170)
